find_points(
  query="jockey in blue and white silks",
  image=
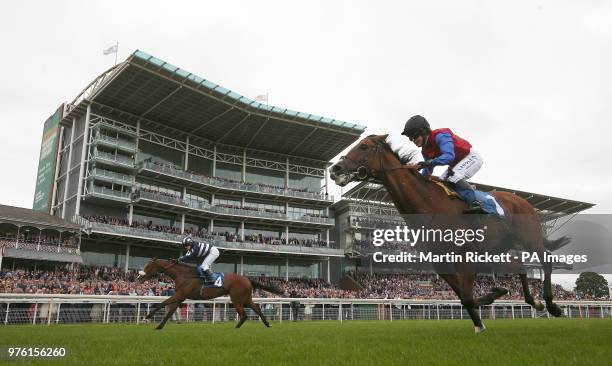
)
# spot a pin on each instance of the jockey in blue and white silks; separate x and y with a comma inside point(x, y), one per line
point(206, 252)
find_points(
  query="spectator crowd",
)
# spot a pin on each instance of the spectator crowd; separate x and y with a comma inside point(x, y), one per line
point(92, 280)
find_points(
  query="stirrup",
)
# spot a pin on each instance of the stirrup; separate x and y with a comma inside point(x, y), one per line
point(475, 208)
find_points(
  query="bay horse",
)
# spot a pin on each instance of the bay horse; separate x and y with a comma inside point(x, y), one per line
point(413, 194)
point(189, 286)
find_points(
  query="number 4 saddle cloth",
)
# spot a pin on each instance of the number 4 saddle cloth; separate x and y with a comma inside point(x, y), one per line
point(217, 281)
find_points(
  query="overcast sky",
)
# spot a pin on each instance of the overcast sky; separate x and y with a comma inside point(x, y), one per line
point(528, 83)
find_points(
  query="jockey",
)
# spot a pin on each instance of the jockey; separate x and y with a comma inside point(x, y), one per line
point(443, 147)
point(206, 252)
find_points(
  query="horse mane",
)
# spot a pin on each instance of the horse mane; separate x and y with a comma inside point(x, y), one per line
point(413, 153)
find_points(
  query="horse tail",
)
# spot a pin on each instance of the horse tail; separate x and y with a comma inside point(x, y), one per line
point(553, 245)
point(270, 288)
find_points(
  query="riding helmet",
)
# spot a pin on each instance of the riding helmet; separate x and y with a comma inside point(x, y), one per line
point(187, 241)
point(416, 125)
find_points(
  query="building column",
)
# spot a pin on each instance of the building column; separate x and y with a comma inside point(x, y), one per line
point(69, 168)
point(211, 226)
point(244, 165)
point(242, 265)
point(327, 180)
point(77, 210)
point(287, 172)
point(127, 257)
point(131, 214)
point(182, 223)
point(287, 269)
point(327, 237)
point(186, 154)
point(287, 235)
point(214, 164)
point(57, 170)
point(328, 271)
point(242, 230)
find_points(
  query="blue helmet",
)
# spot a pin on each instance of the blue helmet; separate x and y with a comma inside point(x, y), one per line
point(187, 241)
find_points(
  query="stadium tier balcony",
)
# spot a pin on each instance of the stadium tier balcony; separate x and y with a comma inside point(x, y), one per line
point(143, 232)
point(205, 207)
point(110, 177)
point(150, 168)
point(113, 160)
point(113, 142)
point(36, 249)
point(107, 193)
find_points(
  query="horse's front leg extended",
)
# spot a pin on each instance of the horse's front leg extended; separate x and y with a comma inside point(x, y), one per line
point(169, 311)
point(156, 307)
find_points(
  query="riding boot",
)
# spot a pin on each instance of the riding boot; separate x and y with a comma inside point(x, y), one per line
point(203, 275)
point(209, 276)
point(468, 193)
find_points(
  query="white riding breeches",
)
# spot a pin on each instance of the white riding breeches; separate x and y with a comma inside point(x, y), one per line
point(210, 258)
point(464, 169)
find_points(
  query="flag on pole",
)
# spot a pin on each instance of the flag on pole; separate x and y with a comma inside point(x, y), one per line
point(111, 49)
point(262, 98)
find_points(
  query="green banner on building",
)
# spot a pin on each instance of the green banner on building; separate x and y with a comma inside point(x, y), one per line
point(46, 162)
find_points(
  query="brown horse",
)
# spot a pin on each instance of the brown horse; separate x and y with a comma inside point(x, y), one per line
point(413, 195)
point(189, 286)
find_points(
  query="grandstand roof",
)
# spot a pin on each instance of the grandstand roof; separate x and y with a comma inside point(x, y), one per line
point(549, 207)
point(25, 216)
point(155, 92)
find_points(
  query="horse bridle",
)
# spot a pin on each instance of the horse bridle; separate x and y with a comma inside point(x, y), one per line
point(363, 173)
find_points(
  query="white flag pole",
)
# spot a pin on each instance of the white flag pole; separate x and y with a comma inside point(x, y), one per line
point(116, 52)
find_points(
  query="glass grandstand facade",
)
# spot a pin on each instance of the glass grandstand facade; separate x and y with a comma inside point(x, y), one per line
point(150, 153)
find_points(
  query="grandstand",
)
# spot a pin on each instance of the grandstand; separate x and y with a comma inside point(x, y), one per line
point(149, 152)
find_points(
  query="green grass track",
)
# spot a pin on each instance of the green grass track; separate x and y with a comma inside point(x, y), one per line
point(408, 342)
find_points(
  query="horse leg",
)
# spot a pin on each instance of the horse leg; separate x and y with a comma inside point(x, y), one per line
point(528, 298)
point(488, 299)
point(553, 308)
point(466, 282)
point(169, 311)
point(156, 308)
point(240, 310)
point(463, 289)
point(258, 311)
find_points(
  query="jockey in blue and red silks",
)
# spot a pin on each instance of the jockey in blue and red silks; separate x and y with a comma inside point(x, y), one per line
point(443, 147)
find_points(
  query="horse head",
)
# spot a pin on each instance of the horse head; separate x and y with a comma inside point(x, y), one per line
point(151, 269)
point(363, 162)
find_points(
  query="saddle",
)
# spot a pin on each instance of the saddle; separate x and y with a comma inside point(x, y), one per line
point(448, 189)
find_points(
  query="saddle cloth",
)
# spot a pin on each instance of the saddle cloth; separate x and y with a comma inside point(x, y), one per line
point(489, 203)
point(218, 280)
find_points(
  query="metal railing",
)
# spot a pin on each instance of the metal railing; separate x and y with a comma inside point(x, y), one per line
point(237, 186)
point(38, 247)
point(116, 159)
point(113, 176)
point(115, 142)
point(204, 206)
point(220, 241)
point(110, 192)
point(63, 309)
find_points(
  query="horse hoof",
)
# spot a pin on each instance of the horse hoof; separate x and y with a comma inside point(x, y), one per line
point(480, 329)
point(159, 328)
point(555, 310)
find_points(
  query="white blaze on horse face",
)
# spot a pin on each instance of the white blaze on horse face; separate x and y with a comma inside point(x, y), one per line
point(142, 273)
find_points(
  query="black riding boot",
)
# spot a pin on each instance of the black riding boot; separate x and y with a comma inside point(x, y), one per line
point(205, 276)
point(475, 207)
